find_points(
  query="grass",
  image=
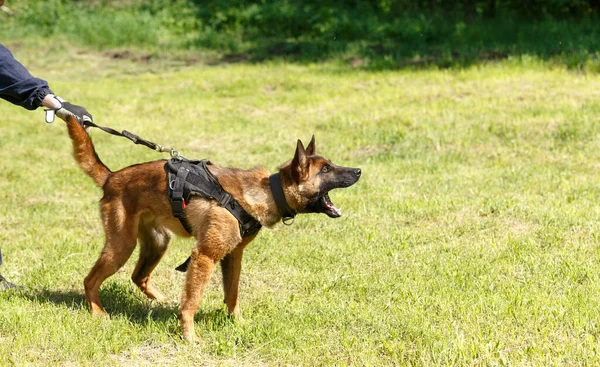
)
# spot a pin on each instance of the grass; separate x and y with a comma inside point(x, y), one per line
point(471, 238)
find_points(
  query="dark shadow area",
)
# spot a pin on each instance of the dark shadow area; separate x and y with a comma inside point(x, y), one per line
point(68, 299)
point(396, 34)
point(120, 300)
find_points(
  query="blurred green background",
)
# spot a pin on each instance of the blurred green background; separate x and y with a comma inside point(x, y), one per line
point(368, 34)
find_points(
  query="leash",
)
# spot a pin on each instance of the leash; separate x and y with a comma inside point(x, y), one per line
point(135, 139)
point(87, 122)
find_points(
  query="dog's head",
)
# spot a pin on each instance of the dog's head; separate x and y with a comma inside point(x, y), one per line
point(312, 177)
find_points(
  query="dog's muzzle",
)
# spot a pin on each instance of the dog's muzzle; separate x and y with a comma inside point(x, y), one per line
point(323, 203)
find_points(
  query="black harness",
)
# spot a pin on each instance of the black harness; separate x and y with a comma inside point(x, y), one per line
point(192, 178)
point(188, 178)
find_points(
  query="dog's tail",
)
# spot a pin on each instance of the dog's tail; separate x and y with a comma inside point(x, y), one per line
point(85, 154)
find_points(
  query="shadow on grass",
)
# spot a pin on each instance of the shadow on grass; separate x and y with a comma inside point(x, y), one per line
point(120, 300)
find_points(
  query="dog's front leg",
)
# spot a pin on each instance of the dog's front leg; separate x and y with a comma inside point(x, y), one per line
point(216, 239)
point(198, 275)
point(231, 265)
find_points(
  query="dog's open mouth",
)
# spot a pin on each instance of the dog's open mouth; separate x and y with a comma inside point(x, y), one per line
point(325, 205)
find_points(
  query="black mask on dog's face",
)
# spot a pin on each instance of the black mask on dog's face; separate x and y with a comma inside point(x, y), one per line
point(332, 177)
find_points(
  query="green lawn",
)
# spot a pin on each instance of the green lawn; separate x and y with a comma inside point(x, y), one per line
point(471, 238)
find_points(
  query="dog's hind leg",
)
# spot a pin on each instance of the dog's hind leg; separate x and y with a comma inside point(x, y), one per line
point(119, 244)
point(153, 245)
point(231, 266)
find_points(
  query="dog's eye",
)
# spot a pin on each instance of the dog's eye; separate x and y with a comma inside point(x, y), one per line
point(325, 169)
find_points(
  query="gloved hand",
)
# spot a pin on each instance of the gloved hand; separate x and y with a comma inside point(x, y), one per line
point(63, 109)
point(79, 112)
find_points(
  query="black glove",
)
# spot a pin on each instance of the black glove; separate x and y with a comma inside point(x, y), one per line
point(63, 109)
point(79, 112)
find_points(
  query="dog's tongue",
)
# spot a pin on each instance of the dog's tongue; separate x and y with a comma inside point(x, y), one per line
point(332, 208)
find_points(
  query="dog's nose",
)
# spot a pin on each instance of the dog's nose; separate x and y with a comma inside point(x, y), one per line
point(357, 172)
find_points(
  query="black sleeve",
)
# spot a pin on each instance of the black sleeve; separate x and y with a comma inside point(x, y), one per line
point(17, 85)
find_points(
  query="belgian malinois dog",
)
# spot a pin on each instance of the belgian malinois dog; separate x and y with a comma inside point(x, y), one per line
point(135, 208)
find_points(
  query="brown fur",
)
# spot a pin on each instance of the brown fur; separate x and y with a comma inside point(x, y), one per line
point(135, 208)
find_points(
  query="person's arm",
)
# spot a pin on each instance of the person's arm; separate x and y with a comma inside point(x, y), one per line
point(17, 85)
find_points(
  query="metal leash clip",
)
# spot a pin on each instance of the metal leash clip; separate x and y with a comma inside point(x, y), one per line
point(174, 153)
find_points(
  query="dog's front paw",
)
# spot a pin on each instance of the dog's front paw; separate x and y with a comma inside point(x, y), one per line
point(101, 313)
point(191, 338)
point(187, 326)
point(236, 315)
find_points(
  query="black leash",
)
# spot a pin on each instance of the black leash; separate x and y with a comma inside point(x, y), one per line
point(135, 139)
point(65, 109)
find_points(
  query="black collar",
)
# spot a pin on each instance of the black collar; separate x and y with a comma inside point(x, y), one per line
point(287, 214)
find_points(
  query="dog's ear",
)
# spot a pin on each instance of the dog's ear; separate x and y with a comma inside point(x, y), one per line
point(310, 149)
point(299, 163)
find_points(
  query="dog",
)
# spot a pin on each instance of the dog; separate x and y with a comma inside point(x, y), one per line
point(135, 207)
